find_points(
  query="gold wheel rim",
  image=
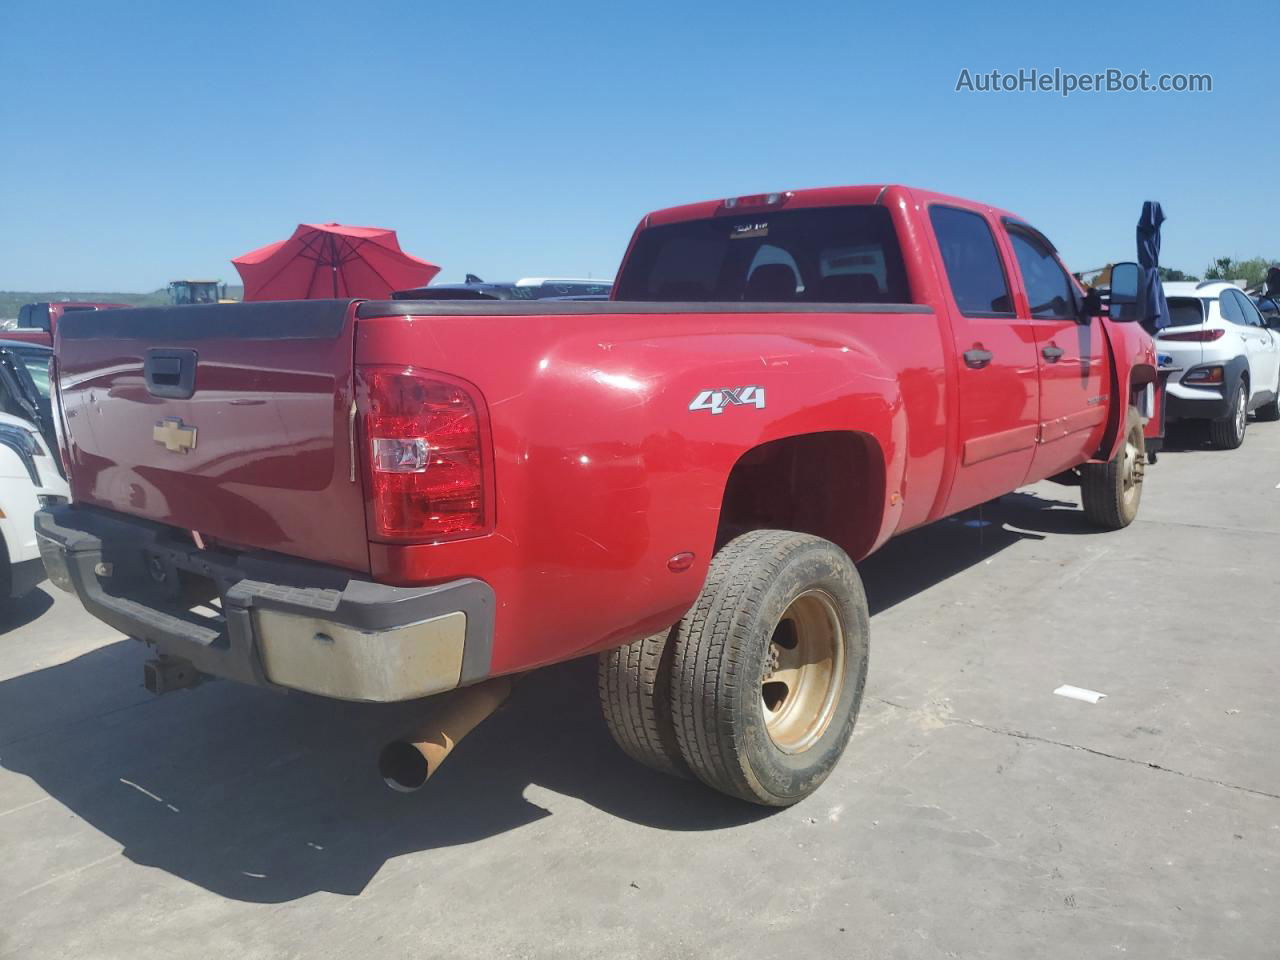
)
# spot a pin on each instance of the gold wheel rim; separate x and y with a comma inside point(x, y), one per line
point(800, 686)
point(1135, 461)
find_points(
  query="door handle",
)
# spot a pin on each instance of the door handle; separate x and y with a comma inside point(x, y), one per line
point(1051, 353)
point(977, 357)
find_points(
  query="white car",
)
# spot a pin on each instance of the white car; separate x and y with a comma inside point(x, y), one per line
point(28, 478)
point(1225, 360)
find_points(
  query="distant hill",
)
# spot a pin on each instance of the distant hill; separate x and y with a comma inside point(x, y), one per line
point(12, 300)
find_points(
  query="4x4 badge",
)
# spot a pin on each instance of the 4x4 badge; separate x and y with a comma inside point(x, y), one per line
point(174, 435)
point(717, 400)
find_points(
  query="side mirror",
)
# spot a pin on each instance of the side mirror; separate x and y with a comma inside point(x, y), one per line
point(1126, 292)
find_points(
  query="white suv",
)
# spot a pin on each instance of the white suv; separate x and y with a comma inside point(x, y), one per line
point(28, 479)
point(1226, 361)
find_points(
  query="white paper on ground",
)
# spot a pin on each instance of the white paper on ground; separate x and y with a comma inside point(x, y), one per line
point(1079, 693)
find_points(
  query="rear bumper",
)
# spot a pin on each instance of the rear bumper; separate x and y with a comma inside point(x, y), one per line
point(1206, 407)
point(1188, 402)
point(283, 623)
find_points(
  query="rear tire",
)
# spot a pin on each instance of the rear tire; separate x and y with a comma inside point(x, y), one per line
point(635, 696)
point(769, 667)
point(1111, 492)
point(1228, 432)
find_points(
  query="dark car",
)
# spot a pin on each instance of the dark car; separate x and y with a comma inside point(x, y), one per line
point(1269, 307)
point(530, 288)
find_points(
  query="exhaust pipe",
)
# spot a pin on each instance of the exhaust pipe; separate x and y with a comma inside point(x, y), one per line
point(407, 764)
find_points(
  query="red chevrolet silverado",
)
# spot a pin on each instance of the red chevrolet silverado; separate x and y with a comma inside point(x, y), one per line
point(382, 501)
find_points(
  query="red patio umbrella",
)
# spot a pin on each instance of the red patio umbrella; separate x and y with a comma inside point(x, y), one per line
point(323, 260)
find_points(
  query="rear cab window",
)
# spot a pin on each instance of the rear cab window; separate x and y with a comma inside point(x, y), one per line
point(975, 271)
point(846, 254)
point(34, 316)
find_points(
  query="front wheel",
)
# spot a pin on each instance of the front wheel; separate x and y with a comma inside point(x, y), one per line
point(1110, 492)
point(1227, 433)
point(769, 666)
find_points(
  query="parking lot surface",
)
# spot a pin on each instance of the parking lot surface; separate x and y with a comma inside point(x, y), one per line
point(976, 813)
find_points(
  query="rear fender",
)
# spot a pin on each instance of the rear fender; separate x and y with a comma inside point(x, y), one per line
point(612, 454)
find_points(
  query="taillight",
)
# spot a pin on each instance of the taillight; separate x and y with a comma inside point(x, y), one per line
point(1204, 376)
point(425, 443)
point(1195, 336)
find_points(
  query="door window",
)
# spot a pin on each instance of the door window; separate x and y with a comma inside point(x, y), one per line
point(1230, 308)
point(1251, 315)
point(1048, 289)
point(974, 269)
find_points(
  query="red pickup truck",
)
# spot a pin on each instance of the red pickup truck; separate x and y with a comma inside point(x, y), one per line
point(37, 322)
point(381, 501)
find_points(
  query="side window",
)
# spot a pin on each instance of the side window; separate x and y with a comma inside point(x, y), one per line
point(1231, 311)
point(973, 264)
point(1251, 315)
point(1048, 289)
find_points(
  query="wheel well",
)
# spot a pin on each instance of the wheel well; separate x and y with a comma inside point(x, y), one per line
point(827, 484)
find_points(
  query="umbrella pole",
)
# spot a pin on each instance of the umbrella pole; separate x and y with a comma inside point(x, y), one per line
point(333, 264)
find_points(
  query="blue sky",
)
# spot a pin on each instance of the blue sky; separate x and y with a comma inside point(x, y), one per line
point(151, 141)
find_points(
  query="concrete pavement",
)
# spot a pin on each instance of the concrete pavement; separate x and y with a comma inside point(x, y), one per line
point(975, 814)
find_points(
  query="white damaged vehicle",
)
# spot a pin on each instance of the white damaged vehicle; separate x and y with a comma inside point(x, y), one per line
point(1225, 359)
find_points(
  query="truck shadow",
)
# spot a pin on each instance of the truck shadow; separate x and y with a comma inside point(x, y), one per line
point(20, 611)
point(266, 798)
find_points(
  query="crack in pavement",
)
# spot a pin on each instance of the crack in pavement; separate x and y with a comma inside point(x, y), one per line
point(1153, 522)
point(1023, 735)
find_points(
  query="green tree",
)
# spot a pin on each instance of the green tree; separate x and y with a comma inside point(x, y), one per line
point(1174, 275)
point(1252, 271)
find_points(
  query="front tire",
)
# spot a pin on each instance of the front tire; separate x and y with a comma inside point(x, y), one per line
point(1111, 492)
point(1228, 432)
point(769, 667)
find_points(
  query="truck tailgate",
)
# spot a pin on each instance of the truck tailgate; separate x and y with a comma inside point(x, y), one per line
point(231, 420)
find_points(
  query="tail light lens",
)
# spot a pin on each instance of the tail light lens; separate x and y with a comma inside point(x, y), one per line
point(1195, 336)
point(426, 445)
point(1204, 376)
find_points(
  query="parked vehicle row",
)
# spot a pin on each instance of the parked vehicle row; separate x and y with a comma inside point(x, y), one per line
point(527, 288)
point(386, 500)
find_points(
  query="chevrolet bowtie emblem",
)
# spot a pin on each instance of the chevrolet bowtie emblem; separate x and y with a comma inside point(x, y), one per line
point(176, 437)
